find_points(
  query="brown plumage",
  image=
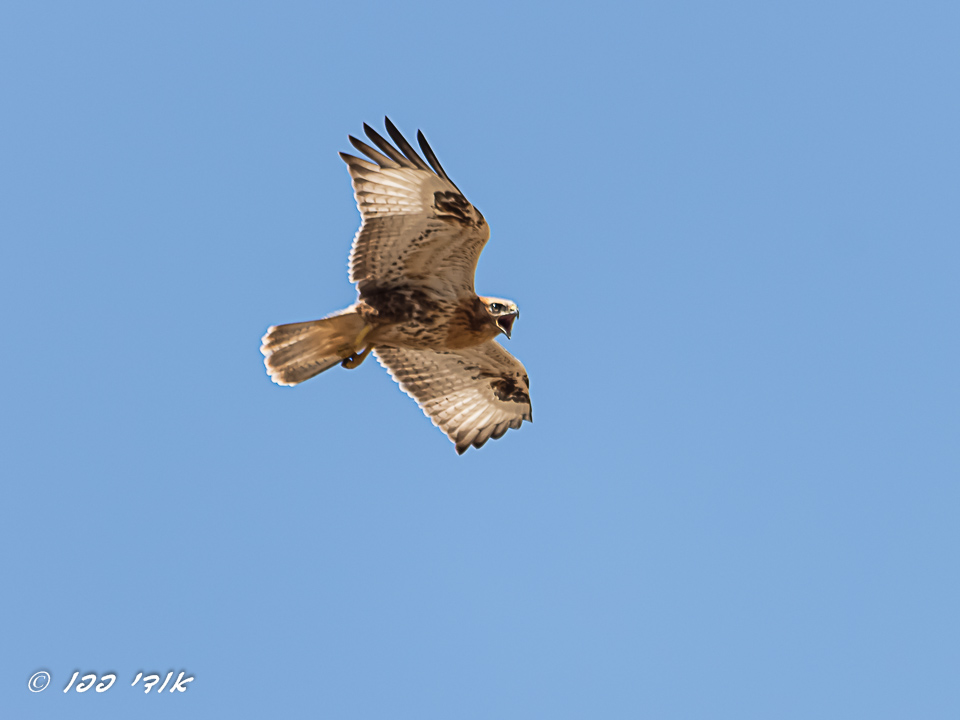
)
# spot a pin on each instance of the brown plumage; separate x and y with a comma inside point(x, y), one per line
point(413, 262)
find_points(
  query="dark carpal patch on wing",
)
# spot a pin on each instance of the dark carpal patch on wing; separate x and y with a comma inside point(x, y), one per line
point(400, 305)
point(508, 389)
point(454, 207)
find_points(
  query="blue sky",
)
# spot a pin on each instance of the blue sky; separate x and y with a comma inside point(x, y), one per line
point(733, 234)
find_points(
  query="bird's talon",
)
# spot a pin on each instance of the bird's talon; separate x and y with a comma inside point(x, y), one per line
point(355, 360)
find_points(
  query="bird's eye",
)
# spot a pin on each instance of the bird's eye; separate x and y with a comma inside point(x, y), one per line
point(498, 307)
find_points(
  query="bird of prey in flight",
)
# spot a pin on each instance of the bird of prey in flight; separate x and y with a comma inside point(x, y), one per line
point(413, 262)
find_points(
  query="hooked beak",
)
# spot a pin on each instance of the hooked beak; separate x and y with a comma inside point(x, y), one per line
point(505, 323)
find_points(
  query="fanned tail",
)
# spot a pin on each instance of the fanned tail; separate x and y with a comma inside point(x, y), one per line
point(298, 351)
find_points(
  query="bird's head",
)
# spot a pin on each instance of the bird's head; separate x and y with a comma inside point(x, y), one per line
point(503, 312)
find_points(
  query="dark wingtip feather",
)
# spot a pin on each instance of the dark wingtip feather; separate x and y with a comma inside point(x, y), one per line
point(353, 161)
point(405, 147)
point(431, 156)
point(388, 149)
point(380, 159)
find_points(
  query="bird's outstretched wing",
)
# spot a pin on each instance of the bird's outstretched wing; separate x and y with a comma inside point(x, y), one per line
point(472, 394)
point(417, 227)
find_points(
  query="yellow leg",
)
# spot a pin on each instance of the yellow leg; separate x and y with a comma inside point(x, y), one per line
point(357, 357)
point(354, 360)
point(358, 343)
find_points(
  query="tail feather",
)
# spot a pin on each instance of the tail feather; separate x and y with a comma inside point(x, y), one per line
point(298, 351)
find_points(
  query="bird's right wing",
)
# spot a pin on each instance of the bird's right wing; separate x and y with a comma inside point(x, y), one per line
point(417, 227)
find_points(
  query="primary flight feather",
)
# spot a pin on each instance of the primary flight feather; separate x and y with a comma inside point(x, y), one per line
point(413, 262)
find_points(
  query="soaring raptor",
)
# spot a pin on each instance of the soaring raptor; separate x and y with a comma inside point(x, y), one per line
point(413, 262)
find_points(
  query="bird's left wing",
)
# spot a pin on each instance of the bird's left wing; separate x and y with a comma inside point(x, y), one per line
point(417, 227)
point(472, 394)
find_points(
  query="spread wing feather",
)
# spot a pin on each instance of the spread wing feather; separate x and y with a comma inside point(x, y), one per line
point(428, 151)
point(472, 394)
point(417, 228)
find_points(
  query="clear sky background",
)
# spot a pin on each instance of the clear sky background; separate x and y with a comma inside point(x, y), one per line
point(734, 234)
